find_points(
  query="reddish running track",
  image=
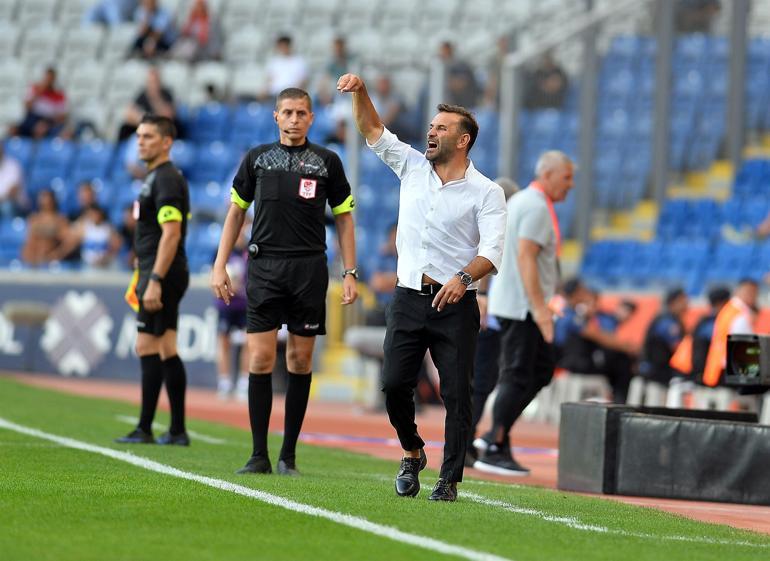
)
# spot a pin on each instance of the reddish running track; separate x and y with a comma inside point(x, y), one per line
point(350, 427)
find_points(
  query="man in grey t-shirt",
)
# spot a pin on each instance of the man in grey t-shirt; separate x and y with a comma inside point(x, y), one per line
point(519, 299)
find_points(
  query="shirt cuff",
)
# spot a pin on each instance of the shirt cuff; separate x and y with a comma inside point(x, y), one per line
point(494, 257)
point(386, 139)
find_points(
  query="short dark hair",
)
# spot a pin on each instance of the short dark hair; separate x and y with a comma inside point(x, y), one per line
point(674, 294)
point(749, 280)
point(468, 122)
point(294, 93)
point(165, 125)
point(718, 294)
point(571, 286)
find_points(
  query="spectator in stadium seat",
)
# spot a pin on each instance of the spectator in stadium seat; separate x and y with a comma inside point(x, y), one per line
point(47, 109)
point(494, 69)
point(520, 299)
point(46, 230)
point(341, 59)
point(12, 198)
point(285, 69)
point(199, 38)
point(584, 346)
point(662, 338)
point(696, 16)
point(547, 85)
point(94, 237)
point(391, 108)
point(461, 84)
point(110, 12)
point(86, 198)
point(155, 99)
point(155, 30)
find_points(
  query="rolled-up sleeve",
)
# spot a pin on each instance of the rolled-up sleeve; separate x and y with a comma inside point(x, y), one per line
point(397, 155)
point(492, 222)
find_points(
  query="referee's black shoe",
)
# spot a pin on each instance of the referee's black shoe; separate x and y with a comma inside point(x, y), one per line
point(136, 436)
point(287, 467)
point(256, 464)
point(180, 439)
point(444, 491)
point(408, 478)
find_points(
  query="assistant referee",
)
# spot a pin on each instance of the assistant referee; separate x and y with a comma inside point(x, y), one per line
point(290, 182)
point(161, 225)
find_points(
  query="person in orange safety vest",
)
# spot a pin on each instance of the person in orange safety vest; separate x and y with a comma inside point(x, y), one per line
point(736, 317)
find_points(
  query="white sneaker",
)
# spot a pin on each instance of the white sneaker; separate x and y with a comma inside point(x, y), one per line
point(224, 387)
point(242, 389)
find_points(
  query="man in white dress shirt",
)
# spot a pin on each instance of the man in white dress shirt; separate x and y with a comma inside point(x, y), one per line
point(451, 228)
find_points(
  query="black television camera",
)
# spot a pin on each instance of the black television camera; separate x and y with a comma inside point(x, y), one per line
point(748, 361)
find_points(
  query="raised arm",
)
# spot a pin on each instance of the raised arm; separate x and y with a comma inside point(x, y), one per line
point(367, 120)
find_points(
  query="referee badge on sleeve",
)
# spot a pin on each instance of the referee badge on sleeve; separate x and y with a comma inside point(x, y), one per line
point(307, 188)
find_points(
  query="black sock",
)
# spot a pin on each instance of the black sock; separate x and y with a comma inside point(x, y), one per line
point(297, 393)
point(260, 406)
point(152, 380)
point(176, 384)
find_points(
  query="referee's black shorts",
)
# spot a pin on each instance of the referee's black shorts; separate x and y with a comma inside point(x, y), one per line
point(287, 290)
point(173, 288)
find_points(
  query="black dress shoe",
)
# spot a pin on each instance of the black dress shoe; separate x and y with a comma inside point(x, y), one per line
point(180, 439)
point(408, 478)
point(444, 491)
point(136, 436)
point(287, 467)
point(257, 464)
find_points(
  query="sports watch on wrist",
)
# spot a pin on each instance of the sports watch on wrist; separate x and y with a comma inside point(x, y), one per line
point(353, 272)
point(465, 278)
point(156, 277)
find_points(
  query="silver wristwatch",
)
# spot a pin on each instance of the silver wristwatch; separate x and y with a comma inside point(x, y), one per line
point(465, 278)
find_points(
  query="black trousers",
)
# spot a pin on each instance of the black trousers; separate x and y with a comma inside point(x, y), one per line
point(527, 364)
point(486, 371)
point(413, 327)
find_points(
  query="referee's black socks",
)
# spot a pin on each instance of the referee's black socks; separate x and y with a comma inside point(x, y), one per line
point(152, 380)
point(260, 406)
point(297, 394)
point(176, 384)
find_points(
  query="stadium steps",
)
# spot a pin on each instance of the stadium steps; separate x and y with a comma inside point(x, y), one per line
point(635, 224)
point(714, 183)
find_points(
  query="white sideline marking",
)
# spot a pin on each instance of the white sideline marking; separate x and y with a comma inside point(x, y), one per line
point(202, 437)
point(572, 522)
point(274, 500)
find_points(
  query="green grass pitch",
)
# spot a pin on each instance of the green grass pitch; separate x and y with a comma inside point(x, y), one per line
point(60, 503)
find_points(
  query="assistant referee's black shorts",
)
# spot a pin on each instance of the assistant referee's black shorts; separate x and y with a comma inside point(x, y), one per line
point(173, 288)
point(287, 290)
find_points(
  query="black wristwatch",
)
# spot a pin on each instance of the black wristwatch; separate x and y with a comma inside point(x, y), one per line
point(465, 278)
point(156, 277)
point(353, 272)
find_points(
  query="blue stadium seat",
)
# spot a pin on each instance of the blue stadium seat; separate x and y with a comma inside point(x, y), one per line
point(252, 125)
point(183, 155)
point(209, 201)
point(20, 148)
point(53, 159)
point(92, 161)
point(211, 122)
point(212, 162)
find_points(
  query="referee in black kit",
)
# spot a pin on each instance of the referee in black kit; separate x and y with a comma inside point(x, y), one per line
point(161, 225)
point(290, 183)
point(451, 226)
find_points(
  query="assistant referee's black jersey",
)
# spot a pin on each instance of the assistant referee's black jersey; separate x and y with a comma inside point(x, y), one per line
point(290, 186)
point(164, 198)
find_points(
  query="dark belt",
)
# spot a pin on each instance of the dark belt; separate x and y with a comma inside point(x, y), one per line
point(425, 289)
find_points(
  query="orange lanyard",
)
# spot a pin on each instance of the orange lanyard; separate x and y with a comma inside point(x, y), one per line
point(554, 219)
